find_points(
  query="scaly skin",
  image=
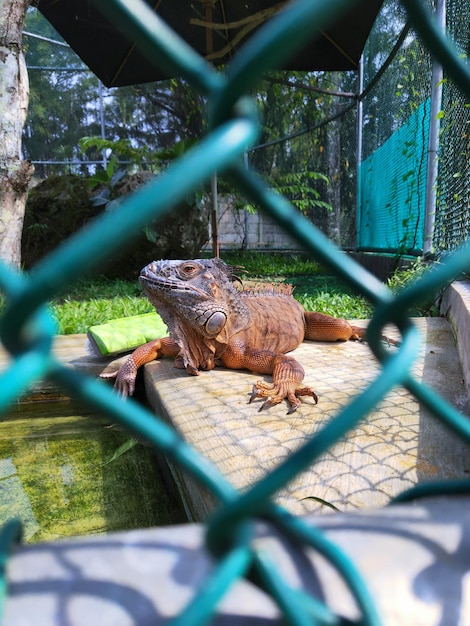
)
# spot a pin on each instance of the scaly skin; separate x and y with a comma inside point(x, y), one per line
point(210, 320)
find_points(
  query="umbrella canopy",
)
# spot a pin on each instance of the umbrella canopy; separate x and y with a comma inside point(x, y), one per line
point(214, 28)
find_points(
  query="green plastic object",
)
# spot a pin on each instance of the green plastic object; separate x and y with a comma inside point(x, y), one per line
point(126, 333)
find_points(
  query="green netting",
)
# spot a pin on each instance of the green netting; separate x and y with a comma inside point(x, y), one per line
point(390, 106)
point(392, 190)
point(453, 210)
point(395, 131)
point(27, 330)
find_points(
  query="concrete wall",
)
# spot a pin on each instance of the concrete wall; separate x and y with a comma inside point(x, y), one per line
point(455, 306)
point(239, 228)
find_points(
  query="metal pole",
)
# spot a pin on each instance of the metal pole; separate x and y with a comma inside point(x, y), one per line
point(245, 238)
point(215, 225)
point(360, 88)
point(208, 15)
point(103, 130)
point(433, 146)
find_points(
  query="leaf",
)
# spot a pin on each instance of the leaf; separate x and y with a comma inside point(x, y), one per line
point(100, 176)
point(151, 234)
point(123, 448)
point(117, 176)
point(101, 199)
point(324, 502)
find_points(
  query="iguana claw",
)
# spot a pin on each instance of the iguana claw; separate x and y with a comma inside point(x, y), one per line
point(254, 394)
point(261, 390)
point(266, 404)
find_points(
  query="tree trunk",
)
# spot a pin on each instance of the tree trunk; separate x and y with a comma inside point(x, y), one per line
point(15, 173)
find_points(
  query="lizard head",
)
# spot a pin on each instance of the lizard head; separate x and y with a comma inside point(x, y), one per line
point(199, 293)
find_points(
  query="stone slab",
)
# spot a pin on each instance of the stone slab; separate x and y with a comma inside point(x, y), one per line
point(395, 447)
point(414, 560)
point(455, 305)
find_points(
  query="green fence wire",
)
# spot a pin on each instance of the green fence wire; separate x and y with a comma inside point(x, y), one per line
point(27, 329)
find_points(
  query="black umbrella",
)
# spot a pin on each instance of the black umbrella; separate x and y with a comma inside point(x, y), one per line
point(214, 28)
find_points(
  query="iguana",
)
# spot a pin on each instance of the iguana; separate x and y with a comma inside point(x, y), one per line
point(212, 321)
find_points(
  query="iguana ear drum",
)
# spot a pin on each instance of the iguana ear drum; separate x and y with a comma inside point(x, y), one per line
point(215, 323)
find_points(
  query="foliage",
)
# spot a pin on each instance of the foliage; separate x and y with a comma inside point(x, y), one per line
point(336, 304)
point(62, 104)
point(298, 188)
point(314, 289)
point(140, 163)
point(148, 125)
point(404, 277)
point(64, 204)
point(402, 87)
point(141, 121)
point(311, 165)
point(55, 208)
point(101, 299)
point(120, 149)
point(110, 180)
point(323, 502)
point(123, 158)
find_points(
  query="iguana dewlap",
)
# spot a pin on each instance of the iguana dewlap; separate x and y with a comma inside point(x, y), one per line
point(211, 321)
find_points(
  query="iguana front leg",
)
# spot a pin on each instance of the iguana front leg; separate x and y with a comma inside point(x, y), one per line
point(287, 378)
point(147, 352)
point(287, 374)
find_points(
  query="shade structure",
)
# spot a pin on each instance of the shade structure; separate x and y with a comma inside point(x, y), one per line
point(214, 28)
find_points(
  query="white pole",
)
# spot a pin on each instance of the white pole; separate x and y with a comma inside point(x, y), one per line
point(360, 121)
point(103, 130)
point(433, 146)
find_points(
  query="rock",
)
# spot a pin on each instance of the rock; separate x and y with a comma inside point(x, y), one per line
point(62, 204)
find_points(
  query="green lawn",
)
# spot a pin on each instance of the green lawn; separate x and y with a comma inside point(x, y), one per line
point(96, 301)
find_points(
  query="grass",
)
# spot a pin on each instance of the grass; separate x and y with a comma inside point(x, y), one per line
point(98, 300)
point(313, 288)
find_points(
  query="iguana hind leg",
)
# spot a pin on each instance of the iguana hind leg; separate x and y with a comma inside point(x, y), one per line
point(322, 327)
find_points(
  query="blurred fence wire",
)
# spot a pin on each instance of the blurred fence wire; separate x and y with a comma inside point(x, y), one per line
point(27, 330)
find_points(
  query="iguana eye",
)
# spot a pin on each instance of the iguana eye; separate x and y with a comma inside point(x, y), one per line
point(189, 268)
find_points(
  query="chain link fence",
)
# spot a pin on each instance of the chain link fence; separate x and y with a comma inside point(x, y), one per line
point(453, 188)
point(27, 331)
